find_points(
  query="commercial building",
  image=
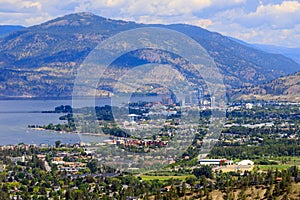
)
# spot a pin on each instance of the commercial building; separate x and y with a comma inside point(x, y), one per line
point(218, 162)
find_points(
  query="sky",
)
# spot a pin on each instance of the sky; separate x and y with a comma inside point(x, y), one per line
point(266, 21)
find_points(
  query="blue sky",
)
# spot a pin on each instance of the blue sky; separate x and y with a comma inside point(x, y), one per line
point(266, 21)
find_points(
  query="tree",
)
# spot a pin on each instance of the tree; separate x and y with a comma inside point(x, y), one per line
point(42, 190)
point(93, 165)
point(4, 195)
point(69, 195)
point(203, 170)
point(277, 190)
point(57, 143)
point(183, 190)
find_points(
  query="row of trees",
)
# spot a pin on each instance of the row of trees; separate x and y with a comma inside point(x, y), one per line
point(256, 152)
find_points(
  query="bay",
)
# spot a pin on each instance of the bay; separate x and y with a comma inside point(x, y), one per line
point(16, 115)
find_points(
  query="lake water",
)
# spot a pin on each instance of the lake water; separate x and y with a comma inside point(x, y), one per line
point(16, 115)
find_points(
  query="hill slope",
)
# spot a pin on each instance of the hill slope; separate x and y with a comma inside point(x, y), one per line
point(42, 60)
point(285, 88)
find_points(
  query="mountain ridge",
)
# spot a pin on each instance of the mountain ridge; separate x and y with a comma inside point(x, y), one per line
point(293, 53)
point(42, 60)
point(7, 29)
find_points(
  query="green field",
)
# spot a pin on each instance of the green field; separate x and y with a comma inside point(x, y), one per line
point(274, 167)
point(284, 162)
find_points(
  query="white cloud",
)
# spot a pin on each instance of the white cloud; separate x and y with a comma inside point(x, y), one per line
point(227, 3)
point(29, 4)
point(113, 3)
point(276, 16)
point(272, 21)
point(263, 35)
point(29, 12)
point(162, 9)
point(204, 23)
point(20, 6)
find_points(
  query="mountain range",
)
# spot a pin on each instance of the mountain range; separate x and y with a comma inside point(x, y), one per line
point(290, 52)
point(6, 29)
point(41, 60)
point(293, 53)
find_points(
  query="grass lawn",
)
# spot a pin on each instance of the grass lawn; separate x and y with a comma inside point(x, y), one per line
point(279, 167)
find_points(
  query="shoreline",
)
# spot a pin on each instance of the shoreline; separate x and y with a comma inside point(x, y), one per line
point(64, 132)
point(70, 97)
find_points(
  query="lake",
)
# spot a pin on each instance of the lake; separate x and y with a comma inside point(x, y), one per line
point(16, 115)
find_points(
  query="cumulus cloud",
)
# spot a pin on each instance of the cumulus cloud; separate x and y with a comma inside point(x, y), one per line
point(276, 16)
point(227, 3)
point(264, 35)
point(268, 21)
point(271, 22)
point(20, 6)
point(204, 23)
point(28, 12)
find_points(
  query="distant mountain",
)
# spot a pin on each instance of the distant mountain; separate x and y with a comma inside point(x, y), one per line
point(6, 29)
point(293, 53)
point(285, 88)
point(42, 60)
